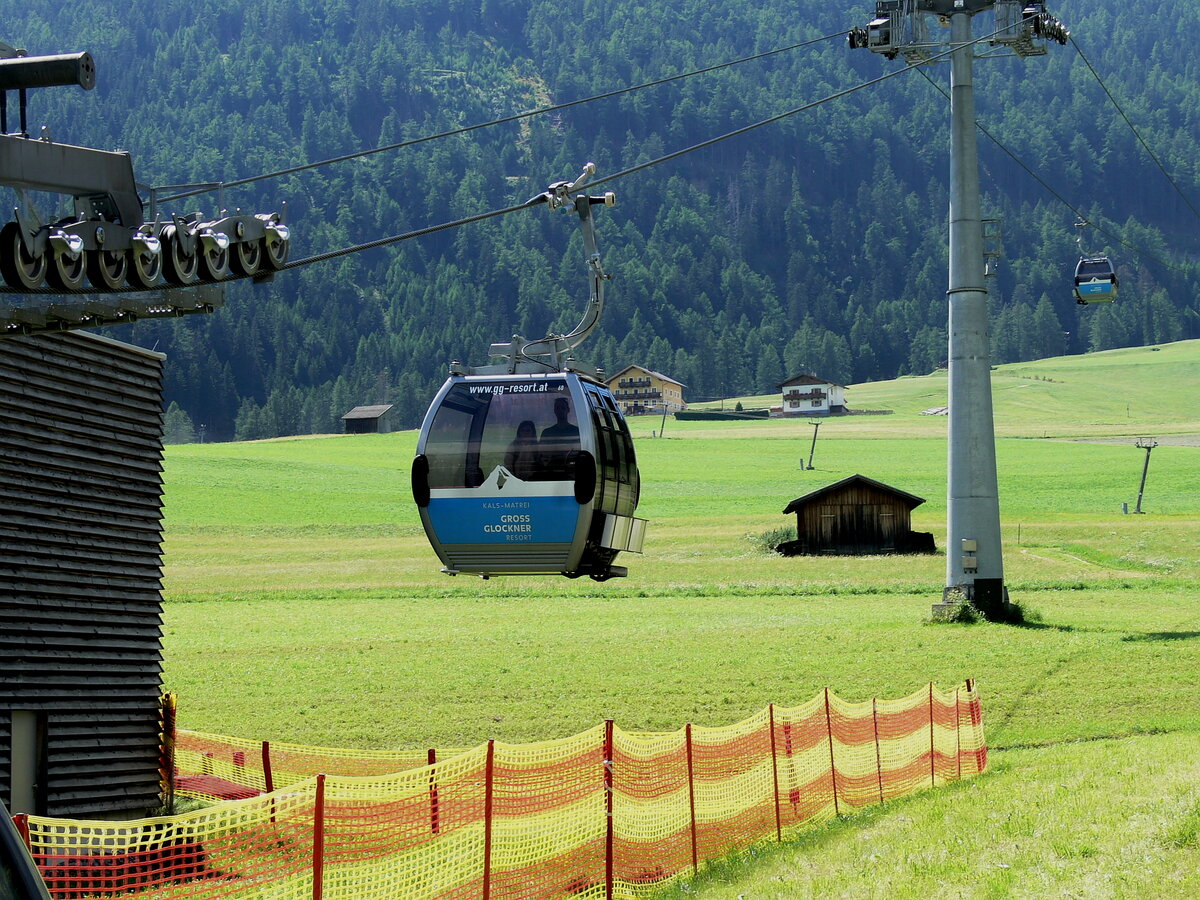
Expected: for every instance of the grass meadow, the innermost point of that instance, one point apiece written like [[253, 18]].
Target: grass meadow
[[303, 604]]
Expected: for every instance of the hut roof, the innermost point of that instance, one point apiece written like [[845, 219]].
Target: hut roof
[[368, 412], [911, 499], [659, 375], [807, 378]]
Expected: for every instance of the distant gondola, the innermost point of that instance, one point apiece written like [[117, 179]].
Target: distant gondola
[[1095, 280], [527, 467]]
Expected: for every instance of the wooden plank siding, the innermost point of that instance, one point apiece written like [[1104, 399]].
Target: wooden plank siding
[[856, 516], [853, 528], [81, 568]]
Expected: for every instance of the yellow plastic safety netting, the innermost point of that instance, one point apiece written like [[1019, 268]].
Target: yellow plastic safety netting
[[603, 814]]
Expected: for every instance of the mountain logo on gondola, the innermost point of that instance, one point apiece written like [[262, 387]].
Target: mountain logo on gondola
[[501, 482]]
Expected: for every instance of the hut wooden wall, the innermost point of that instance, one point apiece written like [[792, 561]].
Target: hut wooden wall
[[855, 519], [80, 567]]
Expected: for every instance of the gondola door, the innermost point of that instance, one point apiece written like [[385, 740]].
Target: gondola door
[[495, 476]]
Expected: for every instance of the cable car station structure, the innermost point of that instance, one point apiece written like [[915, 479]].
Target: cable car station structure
[[108, 250], [81, 449], [974, 556]]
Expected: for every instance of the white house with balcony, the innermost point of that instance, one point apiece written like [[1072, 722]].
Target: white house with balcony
[[810, 395]]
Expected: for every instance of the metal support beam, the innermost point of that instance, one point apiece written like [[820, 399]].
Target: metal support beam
[[80, 171], [974, 561]]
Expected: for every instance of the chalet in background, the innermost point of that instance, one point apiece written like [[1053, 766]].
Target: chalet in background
[[640, 391], [809, 395]]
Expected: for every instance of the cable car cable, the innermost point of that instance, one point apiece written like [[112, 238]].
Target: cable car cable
[[408, 235], [1059, 197], [421, 232], [479, 217], [729, 135], [381, 242], [835, 96], [747, 128], [1136, 133], [506, 119]]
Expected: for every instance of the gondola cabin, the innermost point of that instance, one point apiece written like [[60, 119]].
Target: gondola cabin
[[527, 474], [1095, 280]]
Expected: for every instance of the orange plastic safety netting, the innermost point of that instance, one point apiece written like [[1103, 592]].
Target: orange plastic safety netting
[[217, 767], [604, 814]]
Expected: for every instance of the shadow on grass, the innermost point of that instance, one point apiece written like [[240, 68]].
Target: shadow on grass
[[1022, 698], [739, 864], [1162, 636], [1050, 626], [1126, 636]]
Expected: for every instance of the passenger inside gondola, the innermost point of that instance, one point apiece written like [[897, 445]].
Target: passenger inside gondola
[[523, 457], [559, 441]]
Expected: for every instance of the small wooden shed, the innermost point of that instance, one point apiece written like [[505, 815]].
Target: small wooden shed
[[367, 419], [857, 516]]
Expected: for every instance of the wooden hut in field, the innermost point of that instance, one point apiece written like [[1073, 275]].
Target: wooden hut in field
[[857, 516], [368, 419], [80, 575]]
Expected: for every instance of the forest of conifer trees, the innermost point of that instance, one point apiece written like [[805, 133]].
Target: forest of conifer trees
[[817, 243]]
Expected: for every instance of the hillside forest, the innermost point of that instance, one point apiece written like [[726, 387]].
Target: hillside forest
[[814, 243]]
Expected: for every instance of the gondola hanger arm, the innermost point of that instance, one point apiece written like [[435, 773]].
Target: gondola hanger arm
[[561, 195]]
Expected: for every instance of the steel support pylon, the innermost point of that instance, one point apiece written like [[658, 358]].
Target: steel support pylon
[[974, 560]]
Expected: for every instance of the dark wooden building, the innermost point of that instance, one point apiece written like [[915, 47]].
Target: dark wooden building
[[367, 419], [856, 516], [80, 575]]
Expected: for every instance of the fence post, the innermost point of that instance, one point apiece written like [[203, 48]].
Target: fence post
[[268, 778], [166, 749], [957, 734], [793, 793], [319, 840], [608, 808], [932, 782], [832, 765], [878, 757], [434, 815], [976, 713], [775, 773], [21, 821], [488, 776], [692, 796]]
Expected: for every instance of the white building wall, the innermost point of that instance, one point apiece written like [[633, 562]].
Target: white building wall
[[832, 396]]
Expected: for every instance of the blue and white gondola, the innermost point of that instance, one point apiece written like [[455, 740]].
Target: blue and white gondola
[[527, 467], [494, 504], [1095, 280]]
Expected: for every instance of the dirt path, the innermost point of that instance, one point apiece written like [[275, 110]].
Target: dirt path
[[1166, 440]]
